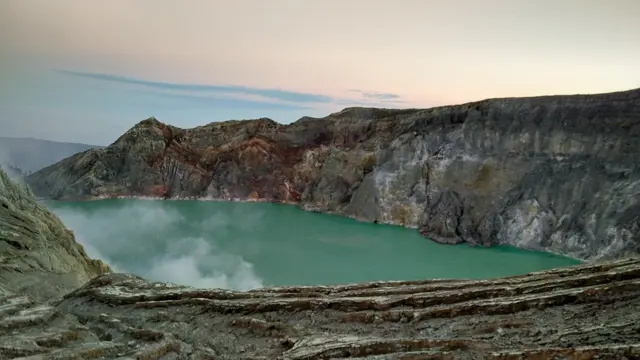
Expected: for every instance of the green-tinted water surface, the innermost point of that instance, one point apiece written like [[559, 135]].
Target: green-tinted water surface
[[246, 245]]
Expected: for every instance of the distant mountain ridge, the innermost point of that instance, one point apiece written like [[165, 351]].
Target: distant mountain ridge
[[30, 155]]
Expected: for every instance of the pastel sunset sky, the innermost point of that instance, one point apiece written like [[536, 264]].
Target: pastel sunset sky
[[86, 71]]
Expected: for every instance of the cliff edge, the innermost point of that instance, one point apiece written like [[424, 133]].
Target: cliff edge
[[39, 257], [553, 173], [582, 312]]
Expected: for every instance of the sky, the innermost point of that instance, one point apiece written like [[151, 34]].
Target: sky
[[86, 71]]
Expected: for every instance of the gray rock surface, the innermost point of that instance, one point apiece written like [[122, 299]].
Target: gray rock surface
[[556, 173], [38, 255], [584, 312]]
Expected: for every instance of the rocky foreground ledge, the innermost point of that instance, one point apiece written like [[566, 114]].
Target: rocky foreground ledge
[[583, 312]]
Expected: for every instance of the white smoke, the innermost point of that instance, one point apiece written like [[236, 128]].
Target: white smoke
[[142, 230], [8, 167], [13, 173], [184, 262]]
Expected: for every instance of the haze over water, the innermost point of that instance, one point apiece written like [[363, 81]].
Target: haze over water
[[249, 245]]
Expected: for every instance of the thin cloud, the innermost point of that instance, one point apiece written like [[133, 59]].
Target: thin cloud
[[372, 99], [276, 94], [238, 97], [220, 100], [379, 96], [370, 104]]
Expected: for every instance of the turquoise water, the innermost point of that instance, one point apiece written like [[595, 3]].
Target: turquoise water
[[248, 245]]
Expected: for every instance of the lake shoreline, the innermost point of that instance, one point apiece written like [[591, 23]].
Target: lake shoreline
[[300, 207], [224, 243]]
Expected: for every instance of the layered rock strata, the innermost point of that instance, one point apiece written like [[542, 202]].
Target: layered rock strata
[[584, 312], [555, 173], [38, 255]]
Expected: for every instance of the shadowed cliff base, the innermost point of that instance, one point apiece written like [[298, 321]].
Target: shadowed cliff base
[[586, 312], [554, 173]]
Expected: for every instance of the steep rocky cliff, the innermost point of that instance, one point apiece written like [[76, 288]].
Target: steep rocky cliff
[[584, 312], [555, 173], [38, 255]]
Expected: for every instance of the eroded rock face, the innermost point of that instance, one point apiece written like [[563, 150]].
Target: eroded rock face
[[38, 255], [557, 173], [584, 312]]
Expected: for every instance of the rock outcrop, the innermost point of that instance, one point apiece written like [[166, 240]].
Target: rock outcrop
[[555, 173], [583, 312], [38, 255]]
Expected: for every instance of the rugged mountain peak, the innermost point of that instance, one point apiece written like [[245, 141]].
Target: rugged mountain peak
[[149, 121], [38, 254], [146, 127]]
